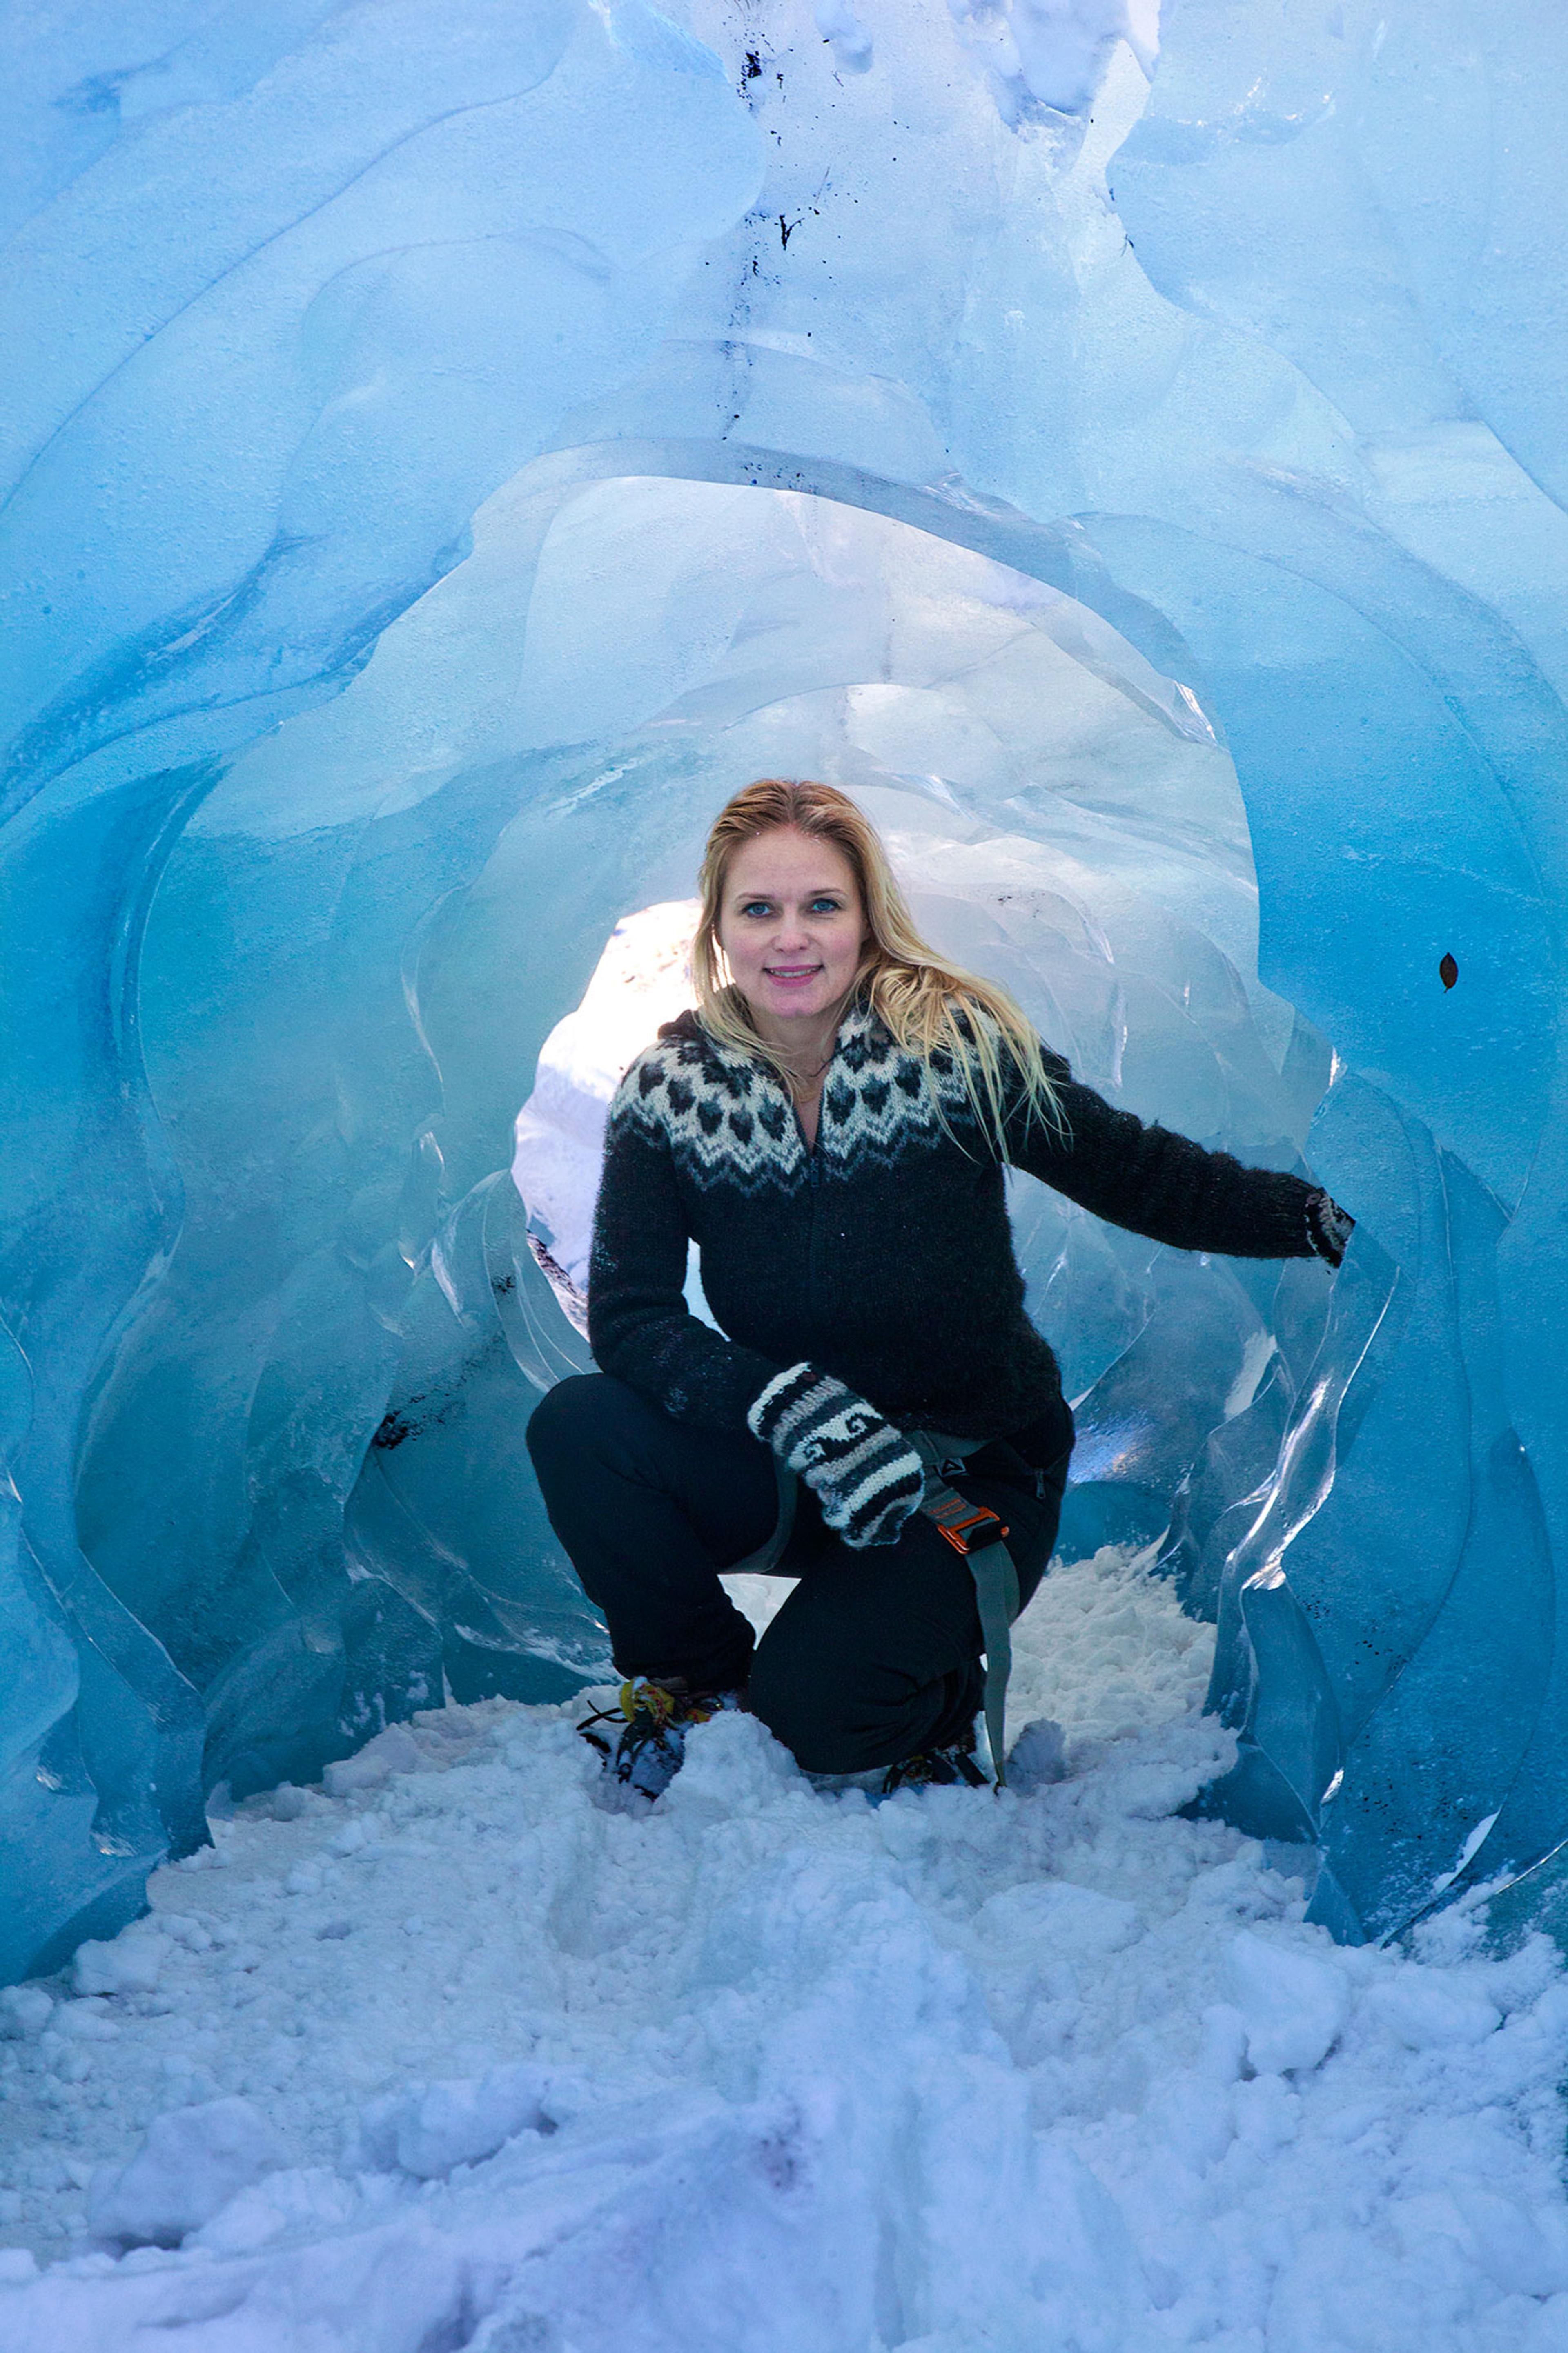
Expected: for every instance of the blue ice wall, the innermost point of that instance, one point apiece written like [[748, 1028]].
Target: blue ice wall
[[1260, 366]]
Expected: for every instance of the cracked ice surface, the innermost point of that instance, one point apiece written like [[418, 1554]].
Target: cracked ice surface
[[452, 2055]]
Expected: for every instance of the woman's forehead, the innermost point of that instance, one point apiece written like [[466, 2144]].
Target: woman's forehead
[[785, 858]]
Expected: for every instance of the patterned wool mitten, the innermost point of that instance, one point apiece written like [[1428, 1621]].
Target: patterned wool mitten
[[867, 1475], [1329, 1227]]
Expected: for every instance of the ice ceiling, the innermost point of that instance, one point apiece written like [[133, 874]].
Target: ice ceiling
[[448, 448]]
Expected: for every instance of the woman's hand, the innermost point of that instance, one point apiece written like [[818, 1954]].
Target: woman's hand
[[864, 1472], [1329, 1227]]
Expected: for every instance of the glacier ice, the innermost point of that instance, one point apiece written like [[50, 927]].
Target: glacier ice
[[458, 444]]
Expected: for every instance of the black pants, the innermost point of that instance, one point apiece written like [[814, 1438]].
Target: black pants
[[876, 1654]]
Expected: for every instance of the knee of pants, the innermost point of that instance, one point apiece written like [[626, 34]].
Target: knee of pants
[[563, 1421], [850, 1725], [824, 1711]]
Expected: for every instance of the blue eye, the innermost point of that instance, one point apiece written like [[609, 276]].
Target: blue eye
[[822, 905]]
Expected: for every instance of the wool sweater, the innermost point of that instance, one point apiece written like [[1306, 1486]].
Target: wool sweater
[[883, 1254]]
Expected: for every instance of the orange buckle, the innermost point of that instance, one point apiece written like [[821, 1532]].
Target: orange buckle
[[979, 1518]]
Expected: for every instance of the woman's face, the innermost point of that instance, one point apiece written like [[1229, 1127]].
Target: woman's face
[[791, 922]]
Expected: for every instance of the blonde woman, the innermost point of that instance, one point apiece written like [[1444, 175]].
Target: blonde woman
[[831, 1126]]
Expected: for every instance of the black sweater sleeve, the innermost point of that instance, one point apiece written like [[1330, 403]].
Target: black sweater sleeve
[[639, 1326], [1157, 1183]]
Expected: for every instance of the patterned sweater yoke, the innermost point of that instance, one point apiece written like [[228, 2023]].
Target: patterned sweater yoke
[[728, 1120]]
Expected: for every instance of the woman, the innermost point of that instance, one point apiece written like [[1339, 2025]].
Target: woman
[[831, 1126]]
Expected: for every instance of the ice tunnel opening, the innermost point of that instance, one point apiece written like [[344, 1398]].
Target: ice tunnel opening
[[1061, 815], [309, 1436]]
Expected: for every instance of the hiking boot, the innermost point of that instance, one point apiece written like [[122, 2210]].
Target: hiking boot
[[643, 1743], [936, 1768]]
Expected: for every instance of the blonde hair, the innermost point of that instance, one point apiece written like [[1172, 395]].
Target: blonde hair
[[930, 1006]]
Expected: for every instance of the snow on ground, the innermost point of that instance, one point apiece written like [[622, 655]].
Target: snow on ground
[[447, 2056]]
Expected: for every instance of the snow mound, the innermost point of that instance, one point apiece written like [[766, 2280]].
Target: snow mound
[[459, 2057]]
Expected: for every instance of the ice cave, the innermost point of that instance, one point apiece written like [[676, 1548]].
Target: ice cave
[[448, 448]]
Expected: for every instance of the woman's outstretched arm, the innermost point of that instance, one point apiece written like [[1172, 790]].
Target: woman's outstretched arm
[[1155, 1182]]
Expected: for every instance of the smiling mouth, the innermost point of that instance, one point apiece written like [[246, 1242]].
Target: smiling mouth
[[792, 971]]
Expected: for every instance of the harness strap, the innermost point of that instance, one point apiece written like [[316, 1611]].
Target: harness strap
[[980, 1537]]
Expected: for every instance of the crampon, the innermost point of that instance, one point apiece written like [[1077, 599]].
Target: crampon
[[642, 1738]]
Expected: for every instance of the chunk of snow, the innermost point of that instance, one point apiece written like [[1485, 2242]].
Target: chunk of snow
[[312, 2197], [1038, 1756], [1293, 2005], [430, 2129], [131, 1963], [193, 2161], [186, 1931], [1428, 2012], [731, 1762], [25, 2012], [85, 2021], [395, 1750]]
